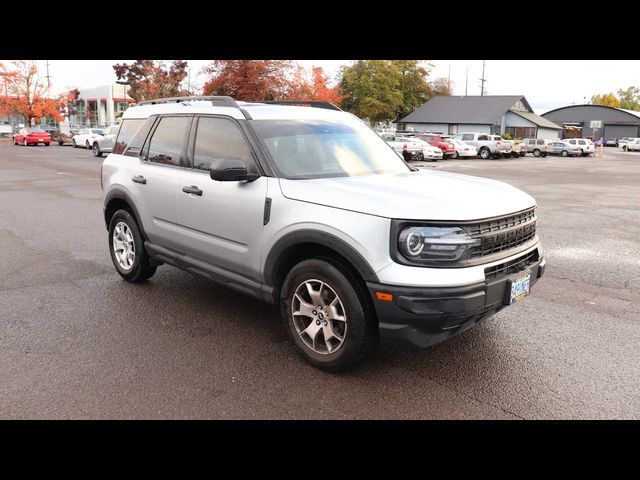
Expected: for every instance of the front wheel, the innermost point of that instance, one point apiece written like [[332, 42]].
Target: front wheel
[[536, 153], [564, 153], [126, 247], [326, 314], [456, 155]]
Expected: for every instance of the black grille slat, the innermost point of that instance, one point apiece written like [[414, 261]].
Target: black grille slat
[[511, 267], [502, 234]]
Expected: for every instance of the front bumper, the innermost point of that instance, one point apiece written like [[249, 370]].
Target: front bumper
[[424, 316]]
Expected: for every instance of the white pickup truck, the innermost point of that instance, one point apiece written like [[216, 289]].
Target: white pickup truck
[[487, 145], [406, 148]]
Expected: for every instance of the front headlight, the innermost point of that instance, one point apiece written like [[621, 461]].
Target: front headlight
[[434, 245]]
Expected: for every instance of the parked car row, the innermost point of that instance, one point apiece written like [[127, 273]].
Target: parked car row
[[99, 140]]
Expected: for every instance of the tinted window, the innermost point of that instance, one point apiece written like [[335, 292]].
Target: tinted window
[[128, 128], [540, 142], [467, 136], [167, 141], [220, 138], [482, 137], [581, 142]]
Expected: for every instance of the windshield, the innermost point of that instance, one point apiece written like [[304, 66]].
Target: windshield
[[324, 148], [36, 130], [97, 131]]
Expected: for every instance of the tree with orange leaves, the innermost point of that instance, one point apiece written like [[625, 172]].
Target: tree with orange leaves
[[26, 92]]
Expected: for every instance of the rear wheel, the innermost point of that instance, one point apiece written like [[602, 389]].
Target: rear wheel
[[126, 246], [327, 316], [96, 150], [564, 153]]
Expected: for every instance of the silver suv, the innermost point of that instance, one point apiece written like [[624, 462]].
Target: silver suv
[[309, 209]]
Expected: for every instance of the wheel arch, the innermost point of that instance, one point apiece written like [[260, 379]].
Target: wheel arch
[[301, 245], [118, 199]]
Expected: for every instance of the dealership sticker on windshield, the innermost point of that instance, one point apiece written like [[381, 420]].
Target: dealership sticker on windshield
[[520, 288]]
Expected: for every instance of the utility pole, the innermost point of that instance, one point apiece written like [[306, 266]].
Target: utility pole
[[48, 78], [482, 80], [466, 81]]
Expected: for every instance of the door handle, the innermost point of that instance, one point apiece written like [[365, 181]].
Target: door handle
[[192, 190], [139, 179]]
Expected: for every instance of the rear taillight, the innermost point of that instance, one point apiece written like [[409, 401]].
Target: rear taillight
[[404, 147], [497, 143]]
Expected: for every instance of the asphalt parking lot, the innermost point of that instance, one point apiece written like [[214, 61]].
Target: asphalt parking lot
[[76, 341]]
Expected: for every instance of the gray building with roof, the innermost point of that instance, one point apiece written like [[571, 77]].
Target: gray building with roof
[[576, 121], [496, 114]]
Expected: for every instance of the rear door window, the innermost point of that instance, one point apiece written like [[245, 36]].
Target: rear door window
[[167, 143]]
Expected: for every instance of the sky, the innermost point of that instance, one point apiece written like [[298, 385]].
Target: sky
[[547, 84]]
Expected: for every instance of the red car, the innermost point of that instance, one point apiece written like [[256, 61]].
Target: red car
[[26, 136], [435, 139]]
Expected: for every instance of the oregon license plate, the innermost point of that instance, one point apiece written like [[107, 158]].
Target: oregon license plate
[[520, 287]]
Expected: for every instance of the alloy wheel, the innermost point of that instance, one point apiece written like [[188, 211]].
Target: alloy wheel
[[319, 316], [124, 247]]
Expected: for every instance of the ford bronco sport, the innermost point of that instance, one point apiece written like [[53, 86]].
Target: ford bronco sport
[[309, 209]]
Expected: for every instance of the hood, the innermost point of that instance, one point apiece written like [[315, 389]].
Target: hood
[[413, 195]]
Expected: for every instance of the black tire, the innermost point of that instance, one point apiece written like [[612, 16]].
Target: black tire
[[73, 143], [96, 150], [361, 335], [537, 153], [87, 145], [141, 268], [485, 153], [564, 153], [456, 155], [47, 144], [522, 154]]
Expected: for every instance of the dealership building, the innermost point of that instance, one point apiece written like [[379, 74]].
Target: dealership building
[[101, 106], [608, 122]]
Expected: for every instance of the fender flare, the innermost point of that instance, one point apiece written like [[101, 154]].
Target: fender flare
[[320, 238], [121, 194]]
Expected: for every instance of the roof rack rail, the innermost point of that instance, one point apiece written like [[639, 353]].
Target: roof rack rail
[[309, 103], [218, 101]]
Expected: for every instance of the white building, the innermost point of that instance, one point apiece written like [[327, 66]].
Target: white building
[[102, 106]]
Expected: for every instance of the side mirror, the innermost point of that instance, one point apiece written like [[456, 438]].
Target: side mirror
[[230, 170]]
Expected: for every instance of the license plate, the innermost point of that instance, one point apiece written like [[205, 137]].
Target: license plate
[[520, 288]]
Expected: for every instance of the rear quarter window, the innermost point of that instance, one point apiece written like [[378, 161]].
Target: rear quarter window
[[128, 129]]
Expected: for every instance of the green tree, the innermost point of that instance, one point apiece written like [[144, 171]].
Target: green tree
[[372, 90], [414, 85], [606, 99], [629, 98]]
